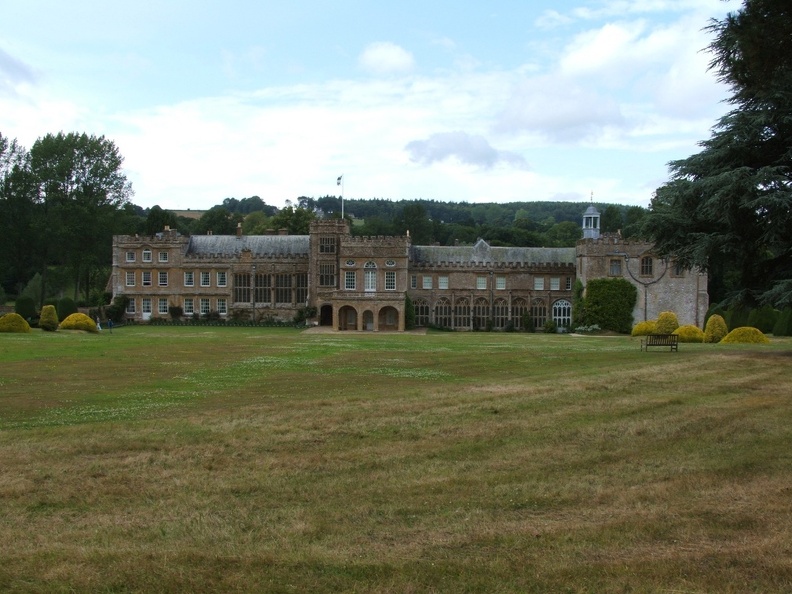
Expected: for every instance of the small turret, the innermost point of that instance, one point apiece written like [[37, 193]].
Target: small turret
[[591, 223]]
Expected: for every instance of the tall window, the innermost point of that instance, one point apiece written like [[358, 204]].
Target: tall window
[[130, 308], [390, 280], [421, 312], [500, 312], [221, 278], [370, 276], [569, 283], [462, 313], [146, 278], [426, 282], [283, 286], [500, 283], [519, 307], [555, 283], [562, 312], [130, 279], [189, 279], [301, 294], [263, 288], [413, 281], [350, 280], [222, 306], [189, 306], [163, 279], [205, 280], [443, 313], [242, 288], [327, 245], [480, 313], [646, 266], [538, 312], [327, 275], [146, 308], [162, 306], [205, 306]]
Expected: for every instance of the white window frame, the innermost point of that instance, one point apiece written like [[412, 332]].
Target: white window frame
[[442, 282], [189, 278], [162, 278], [163, 256], [390, 280], [555, 283], [538, 283], [130, 278], [130, 256], [206, 306], [146, 281], [350, 280], [426, 282], [414, 281], [369, 280], [146, 255], [481, 282], [222, 278], [500, 283], [222, 306], [162, 306], [146, 306], [206, 278], [189, 306], [131, 307]]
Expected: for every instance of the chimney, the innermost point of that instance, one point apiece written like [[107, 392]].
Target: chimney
[[167, 228], [239, 229], [283, 231]]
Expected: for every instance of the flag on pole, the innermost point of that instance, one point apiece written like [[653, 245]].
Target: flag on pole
[[338, 181]]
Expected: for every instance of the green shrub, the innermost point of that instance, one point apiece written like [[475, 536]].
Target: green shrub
[[13, 322], [175, 311], [409, 313], [689, 333], [736, 317], [716, 329], [79, 321], [609, 303], [745, 335], [667, 322], [26, 307], [644, 328], [117, 310], [66, 307], [528, 323], [49, 318], [578, 304], [783, 325], [712, 311], [763, 318]]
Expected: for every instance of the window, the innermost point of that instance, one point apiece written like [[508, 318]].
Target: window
[[562, 312], [189, 279], [327, 275], [222, 306], [130, 279], [283, 292], [130, 256], [615, 268], [442, 282], [443, 313], [130, 308], [162, 306], [500, 313], [677, 269], [538, 313], [146, 278], [538, 283], [163, 256], [500, 283], [426, 282], [350, 280], [390, 280], [205, 280], [350, 262], [301, 295], [263, 288], [163, 279], [242, 288], [555, 284], [189, 306], [481, 282], [146, 305], [222, 279], [569, 283], [421, 312], [646, 266], [462, 313], [414, 281], [481, 313], [519, 307], [205, 307], [390, 263], [327, 245], [370, 276], [147, 255]]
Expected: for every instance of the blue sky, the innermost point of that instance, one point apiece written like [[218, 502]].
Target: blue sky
[[487, 102]]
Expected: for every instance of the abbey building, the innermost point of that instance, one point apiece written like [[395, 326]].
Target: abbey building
[[361, 283]]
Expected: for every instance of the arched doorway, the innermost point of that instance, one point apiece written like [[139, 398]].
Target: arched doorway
[[326, 315], [388, 318], [347, 318], [368, 320]]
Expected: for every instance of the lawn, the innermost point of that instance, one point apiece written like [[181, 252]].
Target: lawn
[[210, 459]]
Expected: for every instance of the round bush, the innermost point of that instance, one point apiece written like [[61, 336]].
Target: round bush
[[716, 329], [745, 335], [644, 328], [66, 307], [689, 333], [666, 322], [49, 318], [26, 307], [79, 321], [13, 322]]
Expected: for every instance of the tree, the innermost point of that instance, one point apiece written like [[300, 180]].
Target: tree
[[218, 220], [728, 209], [612, 219], [157, 219]]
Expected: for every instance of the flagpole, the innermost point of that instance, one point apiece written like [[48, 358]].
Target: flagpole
[[340, 182]]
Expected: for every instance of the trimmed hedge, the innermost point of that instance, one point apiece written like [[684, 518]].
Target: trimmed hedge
[[49, 318], [745, 335], [689, 333], [645, 328], [763, 319], [716, 329], [26, 307], [66, 307], [79, 321], [609, 304], [13, 322], [667, 322]]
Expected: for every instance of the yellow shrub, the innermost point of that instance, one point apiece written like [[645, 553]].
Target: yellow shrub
[[49, 318], [715, 329], [745, 334], [79, 321], [644, 328], [689, 333], [13, 322], [666, 322]]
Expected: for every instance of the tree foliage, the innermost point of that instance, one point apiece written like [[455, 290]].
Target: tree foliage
[[728, 209], [609, 303]]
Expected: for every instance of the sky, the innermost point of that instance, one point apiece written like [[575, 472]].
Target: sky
[[498, 101]]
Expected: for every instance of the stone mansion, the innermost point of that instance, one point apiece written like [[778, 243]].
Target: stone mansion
[[360, 283]]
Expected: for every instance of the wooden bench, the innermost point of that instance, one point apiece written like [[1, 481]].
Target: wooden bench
[[669, 341]]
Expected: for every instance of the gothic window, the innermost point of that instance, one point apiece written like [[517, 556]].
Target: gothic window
[[327, 245], [501, 313], [519, 307], [242, 288], [562, 312], [539, 312], [462, 313], [327, 275], [421, 307], [480, 313], [443, 313]]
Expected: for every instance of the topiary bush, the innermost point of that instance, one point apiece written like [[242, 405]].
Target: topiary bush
[[716, 329], [644, 328], [26, 307], [667, 322], [66, 307], [609, 303], [79, 321], [13, 322], [745, 335], [49, 318], [689, 333]]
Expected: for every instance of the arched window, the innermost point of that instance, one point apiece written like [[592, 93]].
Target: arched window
[[480, 313], [519, 307], [462, 313], [370, 276], [442, 315], [501, 313], [421, 307], [538, 313], [562, 312]]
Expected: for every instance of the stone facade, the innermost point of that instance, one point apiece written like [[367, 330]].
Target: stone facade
[[361, 283]]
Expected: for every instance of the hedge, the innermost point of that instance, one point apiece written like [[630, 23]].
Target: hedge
[[13, 322], [645, 328], [689, 333], [79, 321], [49, 318], [609, 303], [716, 329], [667, 322], [745, 334]]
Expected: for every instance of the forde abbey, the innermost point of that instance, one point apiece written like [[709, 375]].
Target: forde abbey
[[360, 283]]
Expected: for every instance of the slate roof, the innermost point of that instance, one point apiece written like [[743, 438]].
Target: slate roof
[[483, 253], [231, 245]]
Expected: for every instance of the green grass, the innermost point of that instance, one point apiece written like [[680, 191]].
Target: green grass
[[270, 460]]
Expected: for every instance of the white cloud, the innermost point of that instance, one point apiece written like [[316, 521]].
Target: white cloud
[[385, 57], [468, 149]]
